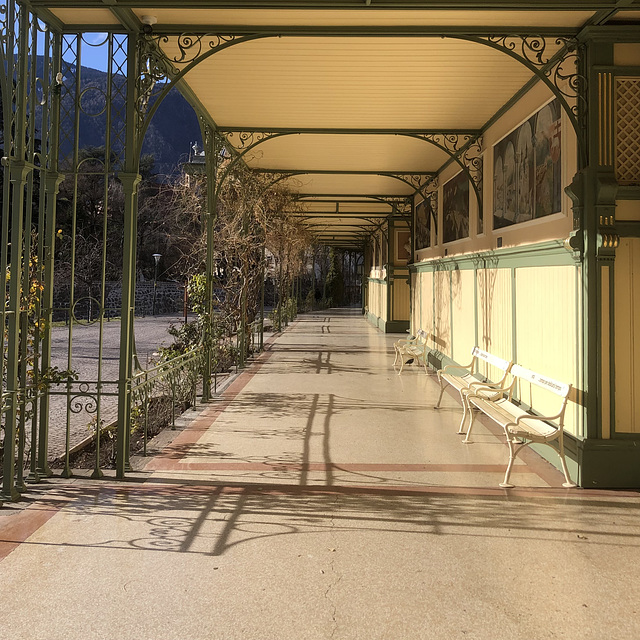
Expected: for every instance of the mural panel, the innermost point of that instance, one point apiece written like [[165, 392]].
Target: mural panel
[[423, 226], [527, 172], [455, 207]]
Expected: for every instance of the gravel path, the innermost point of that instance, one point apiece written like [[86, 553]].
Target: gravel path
[[150, 333]]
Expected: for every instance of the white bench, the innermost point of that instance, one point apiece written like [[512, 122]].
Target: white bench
[[522, 427], [402, 342], [463, 382], [412, 348]]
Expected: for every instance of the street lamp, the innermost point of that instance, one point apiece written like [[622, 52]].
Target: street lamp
[[156, 257]]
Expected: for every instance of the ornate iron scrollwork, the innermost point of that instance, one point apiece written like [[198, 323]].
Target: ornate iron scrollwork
[[153, 67], [415, 180], [430, 192], [194, 46], [465, 149], [245, 140], [556, 60]]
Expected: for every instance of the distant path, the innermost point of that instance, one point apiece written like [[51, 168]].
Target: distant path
[[150, 333]]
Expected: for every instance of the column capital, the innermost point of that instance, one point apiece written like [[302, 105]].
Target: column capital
[[130, 180]]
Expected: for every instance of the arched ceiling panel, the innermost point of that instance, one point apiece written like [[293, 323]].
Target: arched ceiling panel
[[348, 184], [347, 153], [379, 83]]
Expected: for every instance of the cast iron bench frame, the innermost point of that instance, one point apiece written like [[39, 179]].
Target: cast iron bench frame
[[521, 426]]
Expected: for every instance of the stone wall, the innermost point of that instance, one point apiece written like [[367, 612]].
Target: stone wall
[[169, 298]]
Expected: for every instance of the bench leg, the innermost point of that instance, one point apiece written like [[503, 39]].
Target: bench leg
[[472, 417], [424, 364], [402, 361], [465, 413], [513, 452], [441, 391], [397, 354], [568, 482]]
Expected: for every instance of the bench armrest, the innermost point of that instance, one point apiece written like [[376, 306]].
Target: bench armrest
[[458, 366], [529, 416], [493, 385], [498, 392]]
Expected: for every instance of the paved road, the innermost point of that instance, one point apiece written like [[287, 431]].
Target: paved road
[[150, 333]]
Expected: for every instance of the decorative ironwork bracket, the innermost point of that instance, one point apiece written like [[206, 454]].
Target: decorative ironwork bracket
[[466, 150], [558, 62]]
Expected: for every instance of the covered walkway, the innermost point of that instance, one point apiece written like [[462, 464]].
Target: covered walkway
[[322, 496]]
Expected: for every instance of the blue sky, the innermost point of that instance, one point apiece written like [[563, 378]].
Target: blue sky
[[95, 51]]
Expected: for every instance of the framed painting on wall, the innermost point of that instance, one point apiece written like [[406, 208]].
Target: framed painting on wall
[[527, 176], [455, 208], [403, 247], [423, 226]]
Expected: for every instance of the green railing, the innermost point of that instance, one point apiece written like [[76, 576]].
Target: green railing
[[176, 379]]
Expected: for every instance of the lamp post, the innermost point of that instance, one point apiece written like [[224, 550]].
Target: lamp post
[[156, 257]]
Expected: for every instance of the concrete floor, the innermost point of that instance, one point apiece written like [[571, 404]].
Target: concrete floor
[[322, 496]]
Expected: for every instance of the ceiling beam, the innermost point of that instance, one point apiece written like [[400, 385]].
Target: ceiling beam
[[361, 197], [331, 172], [127, 18], [351, 132], [374, 6]]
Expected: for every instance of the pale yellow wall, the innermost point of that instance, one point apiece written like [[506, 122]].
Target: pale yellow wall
[[495, 315], [442, 315], [628, 210], [627, 336], [626, 54], [378, 299], [529, 314], [425, 313], [548, 332], [415, 302], [400, 294], [464, 315]]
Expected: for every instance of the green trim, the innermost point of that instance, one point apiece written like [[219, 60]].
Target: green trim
[[552, 253], [387, 326], [628, 228], [608, 34], [628, 192], [394, 326], [127, 18], [609, 464], [571, 456]]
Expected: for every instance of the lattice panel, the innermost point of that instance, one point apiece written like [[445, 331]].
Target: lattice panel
[[628, 130]]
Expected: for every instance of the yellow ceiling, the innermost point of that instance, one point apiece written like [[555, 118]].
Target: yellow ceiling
[[376, 85]]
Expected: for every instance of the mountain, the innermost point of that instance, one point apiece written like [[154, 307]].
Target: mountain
[[168, 139]]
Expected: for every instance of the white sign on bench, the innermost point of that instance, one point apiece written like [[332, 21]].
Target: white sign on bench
[[466, 378], [522, 427]]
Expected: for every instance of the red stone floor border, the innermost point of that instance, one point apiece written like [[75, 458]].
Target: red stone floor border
[[17, 527], [175, 465], [170, 456]]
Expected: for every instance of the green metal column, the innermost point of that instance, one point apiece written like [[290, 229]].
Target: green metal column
[[19, 171], [264, 275], [52, 186], [130, 183], [211, 163]]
